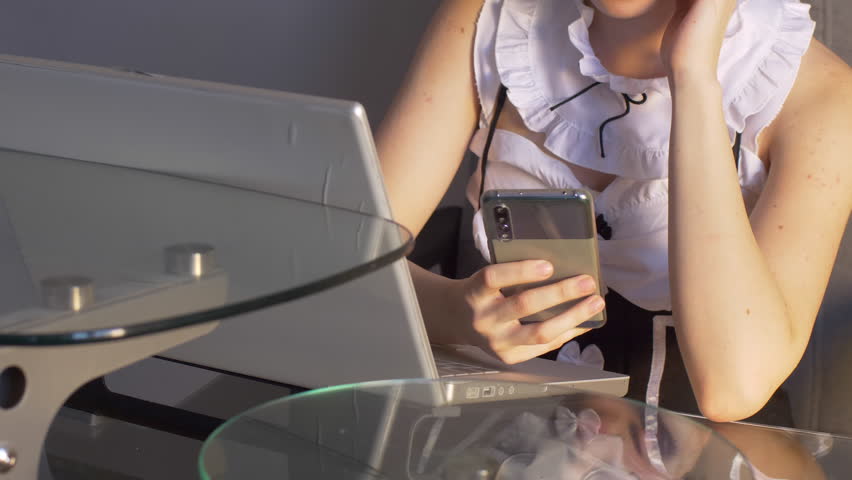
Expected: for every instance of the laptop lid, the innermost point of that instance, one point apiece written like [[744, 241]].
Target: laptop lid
[[17, 290], [300, 146]]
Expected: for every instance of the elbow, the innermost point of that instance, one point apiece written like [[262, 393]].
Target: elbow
[[729, 404], [726, 409], [730, 395]]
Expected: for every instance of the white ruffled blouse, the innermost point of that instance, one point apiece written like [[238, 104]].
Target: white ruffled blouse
[[540, 50]]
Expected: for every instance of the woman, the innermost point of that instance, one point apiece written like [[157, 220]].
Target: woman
[[641, 101]]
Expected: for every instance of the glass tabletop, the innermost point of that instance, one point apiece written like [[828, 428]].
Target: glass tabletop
[[92, 252], [789, 453], [465, 430]]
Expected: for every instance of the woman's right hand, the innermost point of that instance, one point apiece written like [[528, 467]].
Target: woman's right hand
[[494, 319]]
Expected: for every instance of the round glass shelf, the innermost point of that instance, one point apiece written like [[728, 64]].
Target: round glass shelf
[[464, 430], [92, 252]]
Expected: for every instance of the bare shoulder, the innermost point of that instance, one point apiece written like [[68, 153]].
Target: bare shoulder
[[822, 94], [810, 141]]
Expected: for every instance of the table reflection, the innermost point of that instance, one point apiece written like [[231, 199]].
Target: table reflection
[[416, 430], [781, 453]]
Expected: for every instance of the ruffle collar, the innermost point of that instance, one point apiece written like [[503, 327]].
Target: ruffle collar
[[760, 56]]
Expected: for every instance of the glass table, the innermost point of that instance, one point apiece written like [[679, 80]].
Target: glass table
[[428, 430], [789, 453], [104, 266]]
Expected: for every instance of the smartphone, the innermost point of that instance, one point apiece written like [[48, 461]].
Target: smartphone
[[553, 225]]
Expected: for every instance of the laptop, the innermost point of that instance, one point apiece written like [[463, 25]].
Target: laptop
[[317, 149]]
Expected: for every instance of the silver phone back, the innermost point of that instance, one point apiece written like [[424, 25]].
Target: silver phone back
[[553, 225]]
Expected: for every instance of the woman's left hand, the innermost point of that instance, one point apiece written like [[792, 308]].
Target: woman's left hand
[[693, 39]]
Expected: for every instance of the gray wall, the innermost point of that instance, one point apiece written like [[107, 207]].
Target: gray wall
[[833, 18], [354, 49]]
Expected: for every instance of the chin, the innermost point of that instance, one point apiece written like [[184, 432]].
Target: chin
[[625, 9]]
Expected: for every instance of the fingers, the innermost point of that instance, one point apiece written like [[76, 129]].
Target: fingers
[[559, 329], [513, 342], [538, 299], [492, 278], [516, 353], [495, 319]]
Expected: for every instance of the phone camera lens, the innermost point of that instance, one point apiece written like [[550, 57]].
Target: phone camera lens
[[504, 227], [501, 211]]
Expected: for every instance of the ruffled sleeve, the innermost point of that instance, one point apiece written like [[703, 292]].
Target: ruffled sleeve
[[515, 64], [760, 60], [484, 60]]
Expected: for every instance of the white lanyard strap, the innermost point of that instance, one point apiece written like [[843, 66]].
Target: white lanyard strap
[[652, 394]]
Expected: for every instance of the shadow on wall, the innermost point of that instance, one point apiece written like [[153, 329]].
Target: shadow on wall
[[356, 49]]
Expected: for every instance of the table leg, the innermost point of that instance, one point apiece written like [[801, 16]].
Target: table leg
[[36, 381], [96, 399]]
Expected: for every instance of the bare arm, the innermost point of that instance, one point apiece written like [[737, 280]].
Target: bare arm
[[421, 143], [746, 291], [423, 138]]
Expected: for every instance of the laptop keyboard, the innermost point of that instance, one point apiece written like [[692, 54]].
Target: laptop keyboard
[[449, 368]]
